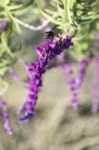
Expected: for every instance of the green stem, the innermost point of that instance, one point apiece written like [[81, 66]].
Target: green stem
[[65, 10], [69, 2]]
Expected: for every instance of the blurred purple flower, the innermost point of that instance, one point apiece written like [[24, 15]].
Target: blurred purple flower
[[95, 90], [73, 86], [46, 52], [97, 36], [14, 74], [3, 24], [82, 71], [5, 116], [76, 83]]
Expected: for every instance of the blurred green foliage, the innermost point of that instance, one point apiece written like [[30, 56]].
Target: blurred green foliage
[[78, 18], [10, 36]]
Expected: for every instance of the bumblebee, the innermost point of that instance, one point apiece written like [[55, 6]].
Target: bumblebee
[[49, 35]]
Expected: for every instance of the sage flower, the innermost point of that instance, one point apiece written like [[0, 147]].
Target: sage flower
[[46, 52], [72, 84], [5, 117], [76, 83], [95, 89], [83, 66]]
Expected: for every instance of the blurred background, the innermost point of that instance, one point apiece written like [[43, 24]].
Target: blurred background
[[56, 125]]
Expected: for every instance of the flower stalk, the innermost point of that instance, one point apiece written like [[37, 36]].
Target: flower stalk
[[46, 52]]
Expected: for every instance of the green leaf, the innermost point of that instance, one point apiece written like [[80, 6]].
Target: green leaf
[[60, 11], [50, 12], [4, 63], [22, 8], [14, 7], [4, 41], [4, 2], [14, 24], [3, 85], [58, 2], [51, 18]]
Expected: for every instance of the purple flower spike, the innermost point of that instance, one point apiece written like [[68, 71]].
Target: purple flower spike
[[76, 83], [3, 24], [82, 71], [5, 116], [46, 52], [26, 117], [73, 86], [95, 90], [75, 102]]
